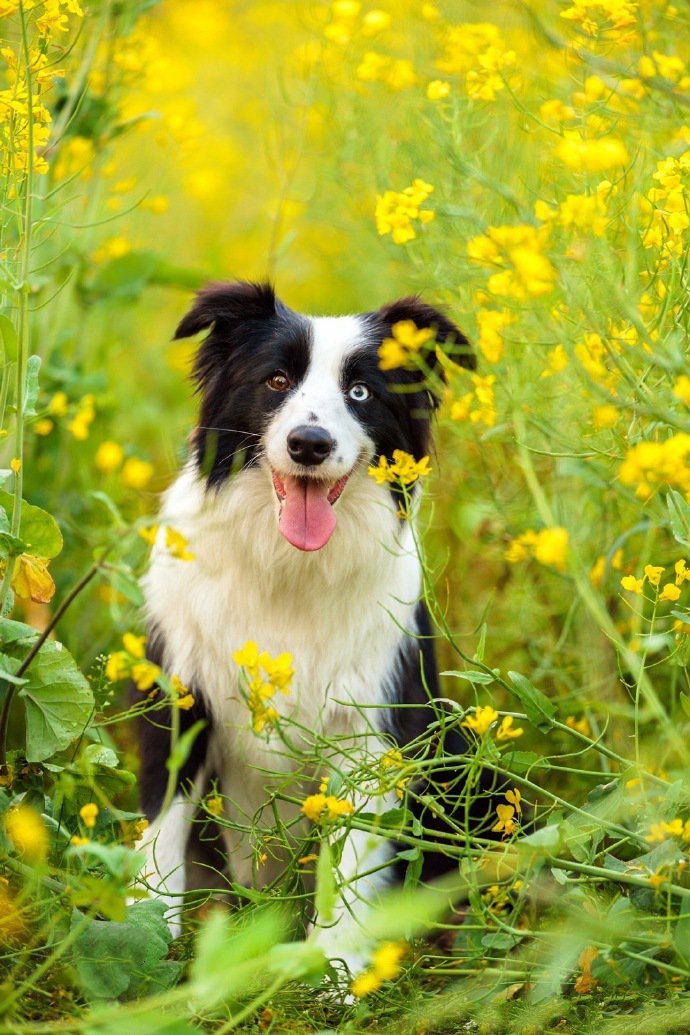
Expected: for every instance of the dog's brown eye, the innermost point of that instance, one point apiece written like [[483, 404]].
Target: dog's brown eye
[[279, 382]]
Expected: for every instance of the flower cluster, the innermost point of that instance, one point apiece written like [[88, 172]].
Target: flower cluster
[[322, 807], [131, 663], [578, 212], [659, 832], [548, 546], [477, 51], [649, 465], [395, 211], [385, 965], [603, 20], [403, 349], [653, 572], [478, 405], [391, 762], [265, 677], [484, 718], [591, 154], [396, 73], [507, 822], [491, 324], [404, 470], [523, 271], [666, 207], [345, 22]]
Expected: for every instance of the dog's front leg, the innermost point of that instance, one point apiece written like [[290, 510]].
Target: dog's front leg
[[363, 874]]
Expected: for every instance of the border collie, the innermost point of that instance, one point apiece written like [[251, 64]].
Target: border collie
[[296, 548]]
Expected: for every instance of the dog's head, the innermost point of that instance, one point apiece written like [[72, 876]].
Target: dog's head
[[305, 397]]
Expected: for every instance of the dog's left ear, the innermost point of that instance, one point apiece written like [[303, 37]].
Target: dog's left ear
[[446, 333]]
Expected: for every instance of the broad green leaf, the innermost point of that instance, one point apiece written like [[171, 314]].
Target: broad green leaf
[[8, 334], [58, 702], [12, 632], [125, 960], [38, 529], [538, 708], [545, 841]]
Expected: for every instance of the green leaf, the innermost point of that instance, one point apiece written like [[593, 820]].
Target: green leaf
[[180, 753], [38, 528], [229, 960], [13, 633], [33, 366], [546, 841], [324, 898], [538, 708], [471, 676], [125, 960], [11, 546], [58, 702], [678, 516], [685, 703], [8, 334]]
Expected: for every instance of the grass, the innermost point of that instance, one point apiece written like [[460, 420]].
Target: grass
[[137, 162]]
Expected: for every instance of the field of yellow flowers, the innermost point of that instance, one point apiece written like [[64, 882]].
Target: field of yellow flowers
[[531, 174]]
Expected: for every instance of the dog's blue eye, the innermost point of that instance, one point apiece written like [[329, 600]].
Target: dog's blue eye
[[359, 393]]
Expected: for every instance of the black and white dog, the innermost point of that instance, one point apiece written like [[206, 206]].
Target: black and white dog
[[297, 548]]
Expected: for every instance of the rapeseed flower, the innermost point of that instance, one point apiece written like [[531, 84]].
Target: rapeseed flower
[[320, 807], [265, 676], [396, 210], [89, 814], [405, 346], [27, 832], [404, 470], [385, 965], [483, 719]]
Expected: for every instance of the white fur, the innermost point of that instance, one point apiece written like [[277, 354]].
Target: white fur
[[339, 611]]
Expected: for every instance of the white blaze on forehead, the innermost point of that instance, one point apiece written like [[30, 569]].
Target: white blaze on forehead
[[333, 339]]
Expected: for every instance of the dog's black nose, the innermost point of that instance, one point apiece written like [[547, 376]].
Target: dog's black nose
[[309, 446]]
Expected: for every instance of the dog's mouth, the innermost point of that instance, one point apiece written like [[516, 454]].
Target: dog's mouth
[[307, 519]]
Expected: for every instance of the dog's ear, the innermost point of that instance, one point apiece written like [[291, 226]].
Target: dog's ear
[[446, 333], [225, 304], [233, 311]]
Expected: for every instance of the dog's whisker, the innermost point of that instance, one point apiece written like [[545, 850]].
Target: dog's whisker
[[237, 431]]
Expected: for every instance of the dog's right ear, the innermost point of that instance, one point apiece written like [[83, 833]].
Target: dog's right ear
[[224, 304]]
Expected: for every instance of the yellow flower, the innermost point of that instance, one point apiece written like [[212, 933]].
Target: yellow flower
[[594, 155], [43, 427], [134, 645], [214, 804], [682, 571], [320, 806], [681, 389], [517, 253], [118, 666], [404, 470], [136, 474], [669, 592], [176, 545], [16, 465], [506, 732], [632, 584], [406, 343], [27, 832], [365, 984], [438, 89], [386, 960], [653, 573], [395, 211], [109, 456], [145, 674], [149, 535], [492, 323], [581, 725], [89, 813], [506, 820], [515, 799], [482, 720], [76, 839], [604, 416]]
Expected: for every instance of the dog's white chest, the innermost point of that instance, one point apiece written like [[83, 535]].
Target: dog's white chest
[[340, 614]]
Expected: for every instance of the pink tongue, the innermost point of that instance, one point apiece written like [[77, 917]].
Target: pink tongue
[[306, 519]]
